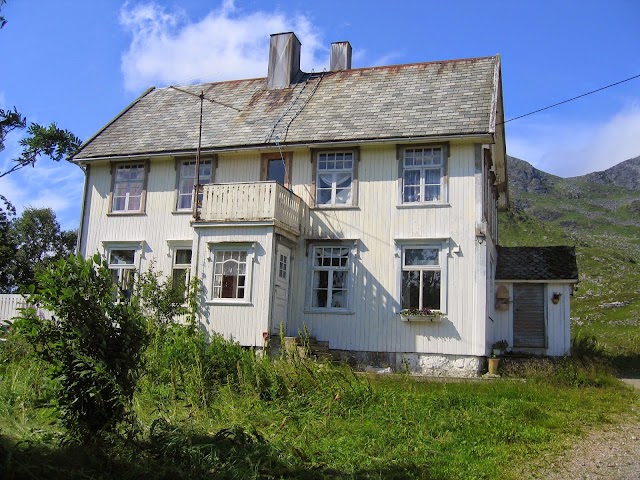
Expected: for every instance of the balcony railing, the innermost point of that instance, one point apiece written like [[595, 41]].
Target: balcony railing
[[254, 201]]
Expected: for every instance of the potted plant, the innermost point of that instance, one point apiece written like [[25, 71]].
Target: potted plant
[[420, 315], [499, 347], [494, 362]]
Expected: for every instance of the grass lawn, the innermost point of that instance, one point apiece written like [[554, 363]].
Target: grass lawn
[[330, 424]]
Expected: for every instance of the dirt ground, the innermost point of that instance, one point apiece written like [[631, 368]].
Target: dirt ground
[[609, 453]]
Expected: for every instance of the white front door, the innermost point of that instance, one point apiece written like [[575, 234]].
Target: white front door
[[281, 295]]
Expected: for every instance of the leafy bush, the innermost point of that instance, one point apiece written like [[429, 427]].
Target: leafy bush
[[93, 344]]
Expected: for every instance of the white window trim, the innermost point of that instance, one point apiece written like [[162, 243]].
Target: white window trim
[[442, 244], [136, 246], [179, 164], [353, 203], [143, 195], [444, 177], [250, 248], [349, 309]]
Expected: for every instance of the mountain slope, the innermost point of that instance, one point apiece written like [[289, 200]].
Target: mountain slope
[[625, 174], [600, 215]]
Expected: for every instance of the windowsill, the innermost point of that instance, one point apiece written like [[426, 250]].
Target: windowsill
[[126, 214], [222, 301], [335, 207], [182, 212], [423, 205], [329, 311]]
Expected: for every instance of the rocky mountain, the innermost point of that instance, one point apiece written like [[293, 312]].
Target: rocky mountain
[[625, 174], [599, 213]]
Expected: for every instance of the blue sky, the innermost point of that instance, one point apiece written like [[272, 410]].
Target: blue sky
[[79, 63]]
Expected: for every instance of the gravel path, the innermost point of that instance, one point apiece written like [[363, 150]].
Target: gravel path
[[612, 453]]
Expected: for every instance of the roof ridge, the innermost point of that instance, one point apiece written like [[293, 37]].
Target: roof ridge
[[377, 67]]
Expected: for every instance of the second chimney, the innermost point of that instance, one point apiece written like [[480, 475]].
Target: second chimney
[[340, 56], [284, 60]]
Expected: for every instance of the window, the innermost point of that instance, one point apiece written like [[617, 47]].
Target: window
[[330, 277], [421, 278], [422, 175], [282, 266], [181, 274], [276, 167], [187, 181], [334, 178], [128, 188], [232, 273], [122, 266]]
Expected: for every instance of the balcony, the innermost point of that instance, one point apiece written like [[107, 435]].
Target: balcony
[[252, 202]]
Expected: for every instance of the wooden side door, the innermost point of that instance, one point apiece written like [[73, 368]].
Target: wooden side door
[[529, 323]]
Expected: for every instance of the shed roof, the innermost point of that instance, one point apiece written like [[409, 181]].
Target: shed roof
[[435, 99], [537, 263]]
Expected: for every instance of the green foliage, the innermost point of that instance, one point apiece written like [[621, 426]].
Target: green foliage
[[50, 141], [93, 345], [160, 299], [39, 241], [8, 247]]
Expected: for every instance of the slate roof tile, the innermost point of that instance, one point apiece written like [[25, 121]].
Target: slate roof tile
[[537, 263], [415, 100]]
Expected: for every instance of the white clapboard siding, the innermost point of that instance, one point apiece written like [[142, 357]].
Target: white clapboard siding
[[557, 320], [377, 223], [244, 323]]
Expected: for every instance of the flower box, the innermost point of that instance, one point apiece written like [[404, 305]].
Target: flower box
[[421, 316]]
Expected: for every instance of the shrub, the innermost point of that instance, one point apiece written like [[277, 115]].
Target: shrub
[[93, 344]]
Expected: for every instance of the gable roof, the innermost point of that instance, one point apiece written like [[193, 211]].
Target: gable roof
[[537, 263], [435, 99]]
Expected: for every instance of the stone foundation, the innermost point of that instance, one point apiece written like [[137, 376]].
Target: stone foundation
[[437, 365]]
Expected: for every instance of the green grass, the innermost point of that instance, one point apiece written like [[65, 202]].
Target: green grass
[[292, 418]]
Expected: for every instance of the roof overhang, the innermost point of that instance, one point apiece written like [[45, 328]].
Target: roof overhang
[[484, 138]]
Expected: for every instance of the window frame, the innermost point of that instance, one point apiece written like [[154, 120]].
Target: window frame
[[181, 266], [264, 166], [143, 194], [442, 245], [349, 283], [315, 154], [249, 249], [178, 167], [136, 247], [444, 175]]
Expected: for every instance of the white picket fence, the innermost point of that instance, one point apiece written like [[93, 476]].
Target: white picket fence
[[9, 305]]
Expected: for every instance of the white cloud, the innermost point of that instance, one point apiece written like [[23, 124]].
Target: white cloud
[[166, 47], [570, 149]]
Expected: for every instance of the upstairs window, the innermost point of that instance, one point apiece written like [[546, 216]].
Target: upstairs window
[[276, 167], [128, 188], [187, 181], [334, 178], [422, 175]]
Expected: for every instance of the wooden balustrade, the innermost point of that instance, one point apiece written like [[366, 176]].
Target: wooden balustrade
[[255, 201]]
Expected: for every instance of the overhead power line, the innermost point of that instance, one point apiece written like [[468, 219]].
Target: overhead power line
[[570, 99]]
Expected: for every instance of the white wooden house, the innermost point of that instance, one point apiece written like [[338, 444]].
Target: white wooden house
[[329, 200]]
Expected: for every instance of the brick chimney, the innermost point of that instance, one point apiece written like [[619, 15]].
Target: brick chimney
[[284, 60], [340, 56]]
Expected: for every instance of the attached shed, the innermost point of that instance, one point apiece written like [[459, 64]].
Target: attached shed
[[532, 298]]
